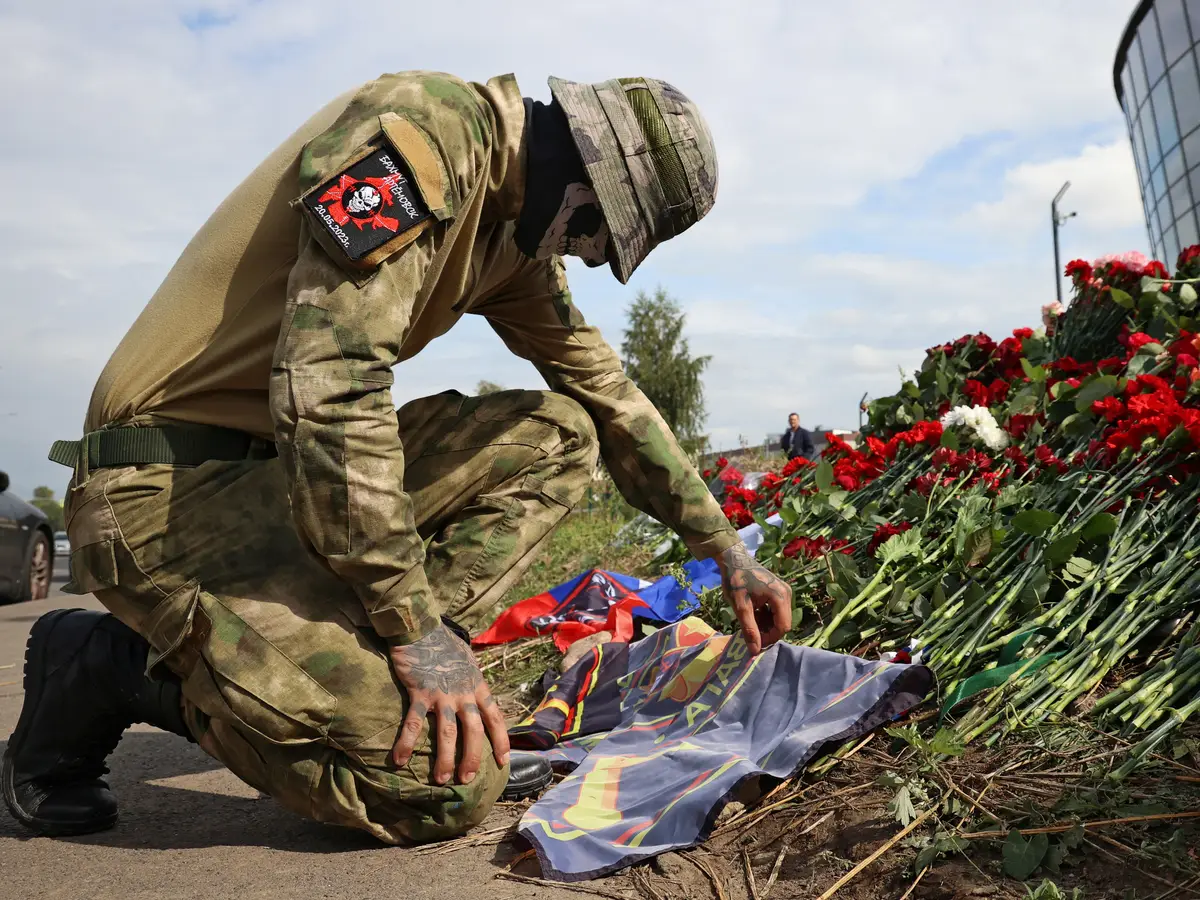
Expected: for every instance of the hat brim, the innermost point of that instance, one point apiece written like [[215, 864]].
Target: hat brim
[[603, 158]]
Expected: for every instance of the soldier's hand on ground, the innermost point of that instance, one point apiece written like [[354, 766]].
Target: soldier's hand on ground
[[762, 602], [443, 681]]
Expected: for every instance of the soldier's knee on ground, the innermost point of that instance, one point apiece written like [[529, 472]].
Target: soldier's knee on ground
[[359, 787], [416, 811]]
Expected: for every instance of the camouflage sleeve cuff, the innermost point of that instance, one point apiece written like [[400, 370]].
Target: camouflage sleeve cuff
[[714, 545], [407, 612], [399, 627]]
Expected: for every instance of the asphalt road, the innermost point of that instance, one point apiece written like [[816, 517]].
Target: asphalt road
[[191, 829]]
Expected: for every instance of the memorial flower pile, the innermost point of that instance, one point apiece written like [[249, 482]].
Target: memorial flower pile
[[1028, 507]]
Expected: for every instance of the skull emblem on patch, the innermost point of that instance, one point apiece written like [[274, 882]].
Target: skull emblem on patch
[[364, 200]]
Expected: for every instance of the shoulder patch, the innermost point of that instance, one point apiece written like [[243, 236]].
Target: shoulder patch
[[370, 209]]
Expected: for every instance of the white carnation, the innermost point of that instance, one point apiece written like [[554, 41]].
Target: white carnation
[[980, 421]]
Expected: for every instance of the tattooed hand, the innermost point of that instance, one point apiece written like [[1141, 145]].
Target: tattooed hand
[[443, 681], [762, 602]]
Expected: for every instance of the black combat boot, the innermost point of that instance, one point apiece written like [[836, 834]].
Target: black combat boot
[[528, 776], [85, 683]]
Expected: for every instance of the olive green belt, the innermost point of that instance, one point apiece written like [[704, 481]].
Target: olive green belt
[[172, 445]]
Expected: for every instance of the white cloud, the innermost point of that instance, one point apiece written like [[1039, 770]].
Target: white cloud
[[1104, 193], [127, 128]]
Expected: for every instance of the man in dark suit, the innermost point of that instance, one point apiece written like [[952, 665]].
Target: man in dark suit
[[796, 441]]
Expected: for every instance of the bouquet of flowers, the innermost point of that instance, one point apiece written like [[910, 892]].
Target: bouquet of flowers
[[1028, 506]]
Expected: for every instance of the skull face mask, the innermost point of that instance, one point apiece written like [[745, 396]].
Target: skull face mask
[[560, 214]]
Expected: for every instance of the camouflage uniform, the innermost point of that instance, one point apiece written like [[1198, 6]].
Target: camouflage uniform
[[270, 586]]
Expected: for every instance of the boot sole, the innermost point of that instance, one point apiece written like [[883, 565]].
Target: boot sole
[[35, 661]]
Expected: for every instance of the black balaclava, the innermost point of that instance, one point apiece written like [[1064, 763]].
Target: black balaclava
[[560, 214]]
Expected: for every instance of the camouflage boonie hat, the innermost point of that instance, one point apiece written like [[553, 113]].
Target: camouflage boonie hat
[[649, 155]]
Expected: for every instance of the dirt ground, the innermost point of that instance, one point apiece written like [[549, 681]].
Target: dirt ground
[[191, 829]]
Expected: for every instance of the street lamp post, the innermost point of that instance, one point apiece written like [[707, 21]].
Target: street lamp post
[[1056, 220]]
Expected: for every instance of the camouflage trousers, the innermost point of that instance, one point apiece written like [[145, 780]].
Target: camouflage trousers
[[284, 680]]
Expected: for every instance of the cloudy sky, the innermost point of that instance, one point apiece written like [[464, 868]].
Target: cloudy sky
[[886, 170]]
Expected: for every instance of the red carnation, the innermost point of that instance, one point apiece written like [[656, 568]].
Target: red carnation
[[1019, 424], [795, 465], [1110, 407], [737, 513], [732, 475], [1137, 340], [1078, 268]]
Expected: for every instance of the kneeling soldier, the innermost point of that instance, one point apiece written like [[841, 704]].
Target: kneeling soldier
[[290, 563]]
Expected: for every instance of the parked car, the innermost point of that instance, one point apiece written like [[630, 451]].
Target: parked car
[[62, 546], [26, 548]]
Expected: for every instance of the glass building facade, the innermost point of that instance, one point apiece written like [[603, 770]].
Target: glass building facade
[[1158, 85]]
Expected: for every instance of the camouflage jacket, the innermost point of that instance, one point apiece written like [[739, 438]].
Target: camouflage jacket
[[345, 323]]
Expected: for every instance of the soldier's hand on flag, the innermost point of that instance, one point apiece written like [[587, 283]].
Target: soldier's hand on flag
[[761, 601], [443, 680]]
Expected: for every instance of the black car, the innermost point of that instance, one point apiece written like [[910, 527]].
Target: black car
[[26, 548]]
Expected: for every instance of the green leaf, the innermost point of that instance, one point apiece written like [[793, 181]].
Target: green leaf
[[947, 743], [943, 381], [1079, 569], [939, 596], [1121, 298], [1034, 373], [913, 506], [824, 476], [1144, 360], [1014, 495], [977, 547], [1101, 525], [839, 596], [1022, 856], [1035, 522], [922, 607], [900, 546], [1034, 591], [1187, 296], [1025, 401], [1074, 837], [1077, 424], [900, 602], [846, 636], [926, 858], [1060, 388], [901, 806], [788, 514], [950, 440], [1060, 550], [891, 780], [1094, 389]]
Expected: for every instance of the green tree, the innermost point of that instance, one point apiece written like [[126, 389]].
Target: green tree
[[659, 361], [43, 499], [487, 387]]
